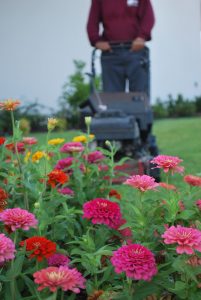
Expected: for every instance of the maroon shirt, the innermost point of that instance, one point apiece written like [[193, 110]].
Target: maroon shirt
[[121, 22]]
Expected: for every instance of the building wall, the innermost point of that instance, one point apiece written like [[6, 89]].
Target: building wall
[[40, 39]]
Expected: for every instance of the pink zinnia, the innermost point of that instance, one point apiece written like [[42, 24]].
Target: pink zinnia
[[142, 182], [59, 277], [188, 239], [192, 180], [136, 261], [29, 140], [16, 218], [94, 157], [66, 191], [198, 203], [64, 163], [103, 211], [58, 260], [168, 163], [7, 248], [71, 147]]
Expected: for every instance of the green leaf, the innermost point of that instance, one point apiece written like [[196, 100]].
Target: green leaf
[[31, 286], [186, 214]]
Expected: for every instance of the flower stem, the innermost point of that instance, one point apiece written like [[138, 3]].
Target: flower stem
[[55, 296]]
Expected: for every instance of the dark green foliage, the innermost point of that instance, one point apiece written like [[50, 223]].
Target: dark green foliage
[[176, 107]]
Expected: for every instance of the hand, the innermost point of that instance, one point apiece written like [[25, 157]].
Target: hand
[[138, 44], [104, 46]]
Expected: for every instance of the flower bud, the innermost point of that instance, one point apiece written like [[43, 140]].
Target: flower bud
[[51, 124], [108, 143], [36, 205], [88, 120]]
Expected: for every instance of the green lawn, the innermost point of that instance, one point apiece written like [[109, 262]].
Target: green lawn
[[177, 137], [181, 137]]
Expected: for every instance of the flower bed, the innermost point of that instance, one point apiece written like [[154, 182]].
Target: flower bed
[[68, 233]]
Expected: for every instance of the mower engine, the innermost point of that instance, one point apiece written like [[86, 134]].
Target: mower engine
[[125, 118]]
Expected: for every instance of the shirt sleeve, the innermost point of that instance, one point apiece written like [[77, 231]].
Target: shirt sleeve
[[94, 20], [146, 19]]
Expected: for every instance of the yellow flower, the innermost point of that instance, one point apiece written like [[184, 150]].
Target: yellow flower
[[26, 158], [38, 155], [83, 138], [91, 136], [55, 142], [9, 104], [52, 123], [80, 138]]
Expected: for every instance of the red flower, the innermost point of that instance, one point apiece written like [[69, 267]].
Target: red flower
[[39, 247], [3, 198], [2, 140], [20, 147], [192, 180], [114, 193], [57, 176]]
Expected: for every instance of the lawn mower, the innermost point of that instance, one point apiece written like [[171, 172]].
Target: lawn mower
[[125, 118]]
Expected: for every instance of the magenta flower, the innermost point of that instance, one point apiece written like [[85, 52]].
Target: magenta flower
[[103, 211], [57, 260], [16, 218], [71, 147], [142, 182], [64, 163], [59, 277], [136, 261], [7, 248], [66, 191], [188, 239], [198, 203], [126, 232], [94, 157], [168, 163]]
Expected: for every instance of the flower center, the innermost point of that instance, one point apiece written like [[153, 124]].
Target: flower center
[[36, 244], [55, 275]]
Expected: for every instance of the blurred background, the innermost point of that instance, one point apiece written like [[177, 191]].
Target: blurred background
[[40, 39]]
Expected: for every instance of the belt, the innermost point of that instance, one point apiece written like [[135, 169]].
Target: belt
[[121, 45]]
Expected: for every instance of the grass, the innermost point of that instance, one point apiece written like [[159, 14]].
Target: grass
[[177, 137], [181, 137]]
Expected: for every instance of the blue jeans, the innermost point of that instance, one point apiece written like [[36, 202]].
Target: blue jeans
[[123, 65]]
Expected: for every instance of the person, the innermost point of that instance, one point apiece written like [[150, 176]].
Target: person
[[126, 27]]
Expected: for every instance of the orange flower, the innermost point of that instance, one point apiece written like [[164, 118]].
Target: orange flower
[[167, 186], [9, 104], [57, 176]]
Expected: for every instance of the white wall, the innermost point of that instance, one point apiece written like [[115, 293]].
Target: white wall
[[40, 38]]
